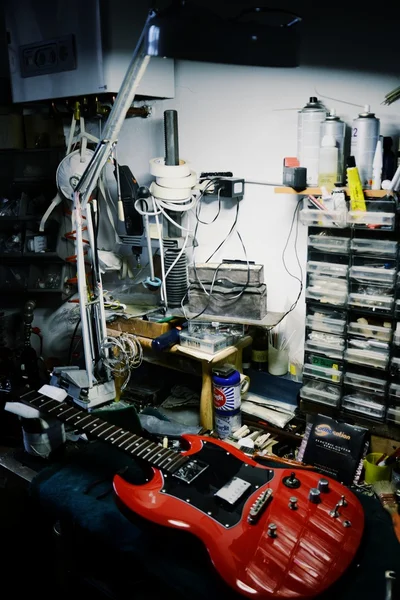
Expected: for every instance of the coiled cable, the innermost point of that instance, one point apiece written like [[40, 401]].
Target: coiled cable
[[121, 354]]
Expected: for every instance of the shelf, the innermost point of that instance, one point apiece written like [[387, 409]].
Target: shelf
[[317, 192], [270, 320]]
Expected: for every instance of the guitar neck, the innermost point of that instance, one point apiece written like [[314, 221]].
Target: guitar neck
[[134, 445]]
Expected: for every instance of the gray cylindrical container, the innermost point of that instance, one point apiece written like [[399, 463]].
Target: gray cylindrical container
[[335, 127], [309, 137], [364, 138]]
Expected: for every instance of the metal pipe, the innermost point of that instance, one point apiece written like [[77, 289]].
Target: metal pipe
[[171, 137]]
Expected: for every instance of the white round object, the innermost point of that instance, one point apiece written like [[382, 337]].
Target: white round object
[[70, 170], [178, 182], [158, 168], [170, 194]]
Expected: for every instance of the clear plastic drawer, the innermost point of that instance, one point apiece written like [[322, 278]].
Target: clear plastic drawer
[[377, 360], [323, 323], [363, 382], [319, 372], [323, 218], [374, 275], [323, 393], [327, 268], [359, 218], [375, 247], [363, 404], [329, 243], [393, 414], [366, 330], [372, 301]]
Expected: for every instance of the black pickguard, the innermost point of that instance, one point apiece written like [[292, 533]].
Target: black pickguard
[[222, 467]]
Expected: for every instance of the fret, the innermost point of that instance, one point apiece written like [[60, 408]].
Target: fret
[[147, 448], [76, 412], [175, 464], [89, 424], [58, 406], [108, 429], [35, 400], [121, 436], [102, 424], [155, 451], [138, 445], [109, 437], [168, 456], [43, 404], [80, 419], [66, 411], [127, 441], [160, 455], [136, 438]]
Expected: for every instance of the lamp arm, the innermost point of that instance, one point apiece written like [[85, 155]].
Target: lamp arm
[[84, 190]]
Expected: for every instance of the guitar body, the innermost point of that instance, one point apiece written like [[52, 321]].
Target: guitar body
[[214, 497]]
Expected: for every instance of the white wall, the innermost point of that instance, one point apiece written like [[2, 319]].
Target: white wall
[[244, 120]]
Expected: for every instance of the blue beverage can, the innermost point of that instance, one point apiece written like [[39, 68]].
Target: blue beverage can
[[226, 389], [227, 421]]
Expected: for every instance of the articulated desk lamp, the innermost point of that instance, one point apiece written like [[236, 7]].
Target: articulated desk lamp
[[179, 32]]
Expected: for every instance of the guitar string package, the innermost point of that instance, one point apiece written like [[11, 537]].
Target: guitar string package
[[336, 448]]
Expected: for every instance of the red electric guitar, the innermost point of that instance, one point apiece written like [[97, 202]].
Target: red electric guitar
[[270, 533]]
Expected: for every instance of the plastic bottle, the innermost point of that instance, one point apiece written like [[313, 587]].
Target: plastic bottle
[[309, 122], [259, 351], [356, 192], [328, 163], [334, 126], [364, 137], [377, 167]]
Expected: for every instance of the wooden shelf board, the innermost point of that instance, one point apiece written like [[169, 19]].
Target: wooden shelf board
[[270, 320], [315, 191]]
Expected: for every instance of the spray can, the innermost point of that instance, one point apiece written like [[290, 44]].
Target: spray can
[[335, 127], [364, 138], [309, 122], [227, 400]]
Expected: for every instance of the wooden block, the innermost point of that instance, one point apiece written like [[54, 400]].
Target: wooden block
[[141, 327]]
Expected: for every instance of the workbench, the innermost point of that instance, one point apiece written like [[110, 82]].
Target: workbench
[[207, 362]]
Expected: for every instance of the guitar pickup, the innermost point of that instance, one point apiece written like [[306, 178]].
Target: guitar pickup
[[259, 506], [233, 490]]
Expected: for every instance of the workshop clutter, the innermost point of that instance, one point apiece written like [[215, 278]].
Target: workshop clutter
[[233, 289]]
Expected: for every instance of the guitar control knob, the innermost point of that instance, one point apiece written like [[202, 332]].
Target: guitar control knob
[[293, 503], [314, 496], [291, 481], [272, 530], [323, 486]]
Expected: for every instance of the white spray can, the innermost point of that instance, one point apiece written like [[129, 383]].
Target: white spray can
[[309, 137], [364, 138], [334, 126]]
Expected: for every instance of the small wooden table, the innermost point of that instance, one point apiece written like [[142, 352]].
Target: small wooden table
[[231, 355]]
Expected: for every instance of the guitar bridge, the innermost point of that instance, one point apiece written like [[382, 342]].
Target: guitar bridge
[[190, 471]]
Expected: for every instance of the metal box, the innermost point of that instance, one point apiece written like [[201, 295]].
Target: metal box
[[61, 49], [252, 304]]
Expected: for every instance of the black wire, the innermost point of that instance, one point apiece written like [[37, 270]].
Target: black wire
[[300, 280], [71, 345], [245, 285]]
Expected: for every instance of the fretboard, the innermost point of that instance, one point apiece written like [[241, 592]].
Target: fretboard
[[136, 446]]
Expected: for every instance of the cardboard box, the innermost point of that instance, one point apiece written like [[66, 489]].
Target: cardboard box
[[11, 132]]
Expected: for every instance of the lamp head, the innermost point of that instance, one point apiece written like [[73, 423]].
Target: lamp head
[[256, 37]]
